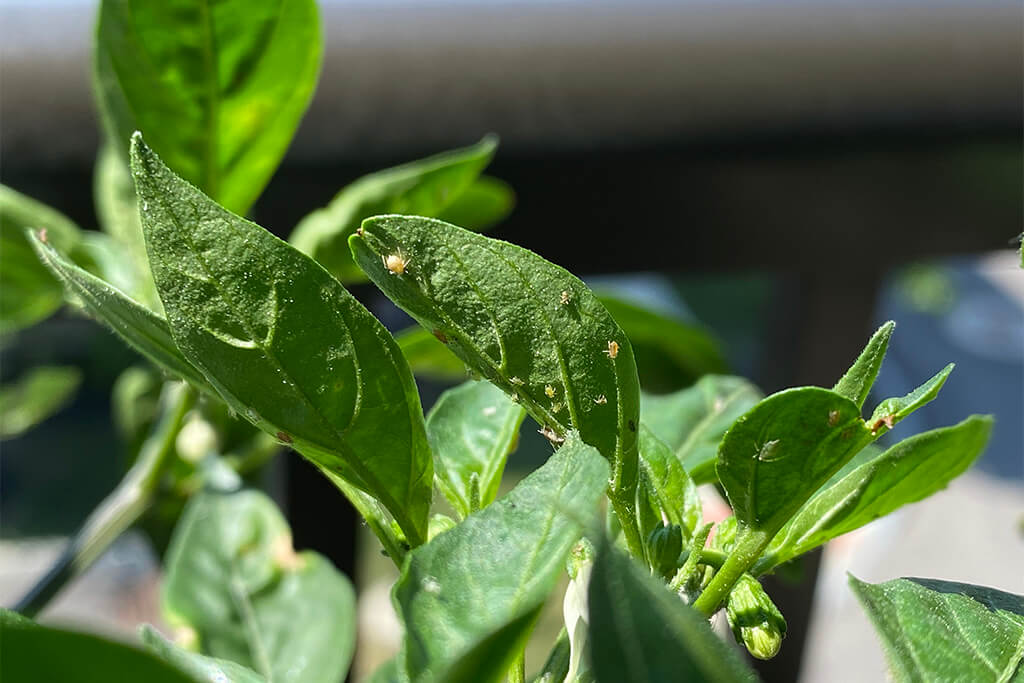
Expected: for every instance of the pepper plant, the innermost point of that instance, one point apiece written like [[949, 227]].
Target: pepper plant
[[254, 343]]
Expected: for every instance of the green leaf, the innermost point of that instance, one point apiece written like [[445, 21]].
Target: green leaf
[[233, 578], [388, 672], [945, 631], [693, 421], [37, 395], [481, 206], [892, 410], [428, 357], [669, 353], [200, 667], [285, 344], [118, 211], [472, 429], [425, 188], [28, 292], [640, 631], [138, 326], [525, 324], [910, 471], [857, 381], [665, 489], [29, 652], [217, 87], [469, 598], [780, 452]]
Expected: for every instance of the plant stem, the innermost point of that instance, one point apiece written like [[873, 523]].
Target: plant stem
[[122, 508], [627, 520], [749, 546]]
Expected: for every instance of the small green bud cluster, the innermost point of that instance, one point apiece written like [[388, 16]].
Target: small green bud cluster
[[755, 620], [664, 544]]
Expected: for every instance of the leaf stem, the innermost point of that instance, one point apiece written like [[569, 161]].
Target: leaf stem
[[749, 546], [122, 508], [627, 520]]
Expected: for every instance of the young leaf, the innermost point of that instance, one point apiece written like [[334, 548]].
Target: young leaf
[[233, 578], [665, 489], [285, 344], [692, 421], [37, 395], [424, 188], [200, 667], [892, 410], [218, 88], [469, 598], [669, 353], [28, 292], [483, 205], [138, 326], [940, 630], [640, 631], [525, 324], [857, 381], [779, 453], [472, 429], [29, 652], [910, 471]]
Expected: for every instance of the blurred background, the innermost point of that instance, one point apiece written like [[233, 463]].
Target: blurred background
[[787, 175]]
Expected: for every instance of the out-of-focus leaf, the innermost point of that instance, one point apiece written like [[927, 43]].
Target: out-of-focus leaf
[[669, 353], [423, 188], [200, 667], [428, 357], [29, 653], [29, 293], [37, 395], [481, 206], [641, 631], [692, 421], [469, 598], [217, 87], [944, 631], [472, 429], [234, 579]]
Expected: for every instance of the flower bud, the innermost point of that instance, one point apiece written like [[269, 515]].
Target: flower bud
[[755, 620], [664, 544]]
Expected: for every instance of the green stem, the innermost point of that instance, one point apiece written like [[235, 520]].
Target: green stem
[[749, 546], [697, 556], [624, 510], [122, 508]]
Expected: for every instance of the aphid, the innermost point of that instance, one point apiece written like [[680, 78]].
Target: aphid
[[359, 231], [515, 380], [833, 418], [441, 336], [549, 391], [613, 349], [42, 235], [556, 407], [550, 434], [281, 436], [564, 298], [515, 398], [396, 263], [601, 400], [886, 420]]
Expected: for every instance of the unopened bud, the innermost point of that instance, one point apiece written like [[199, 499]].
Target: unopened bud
[[664, 544], [755, 620]]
